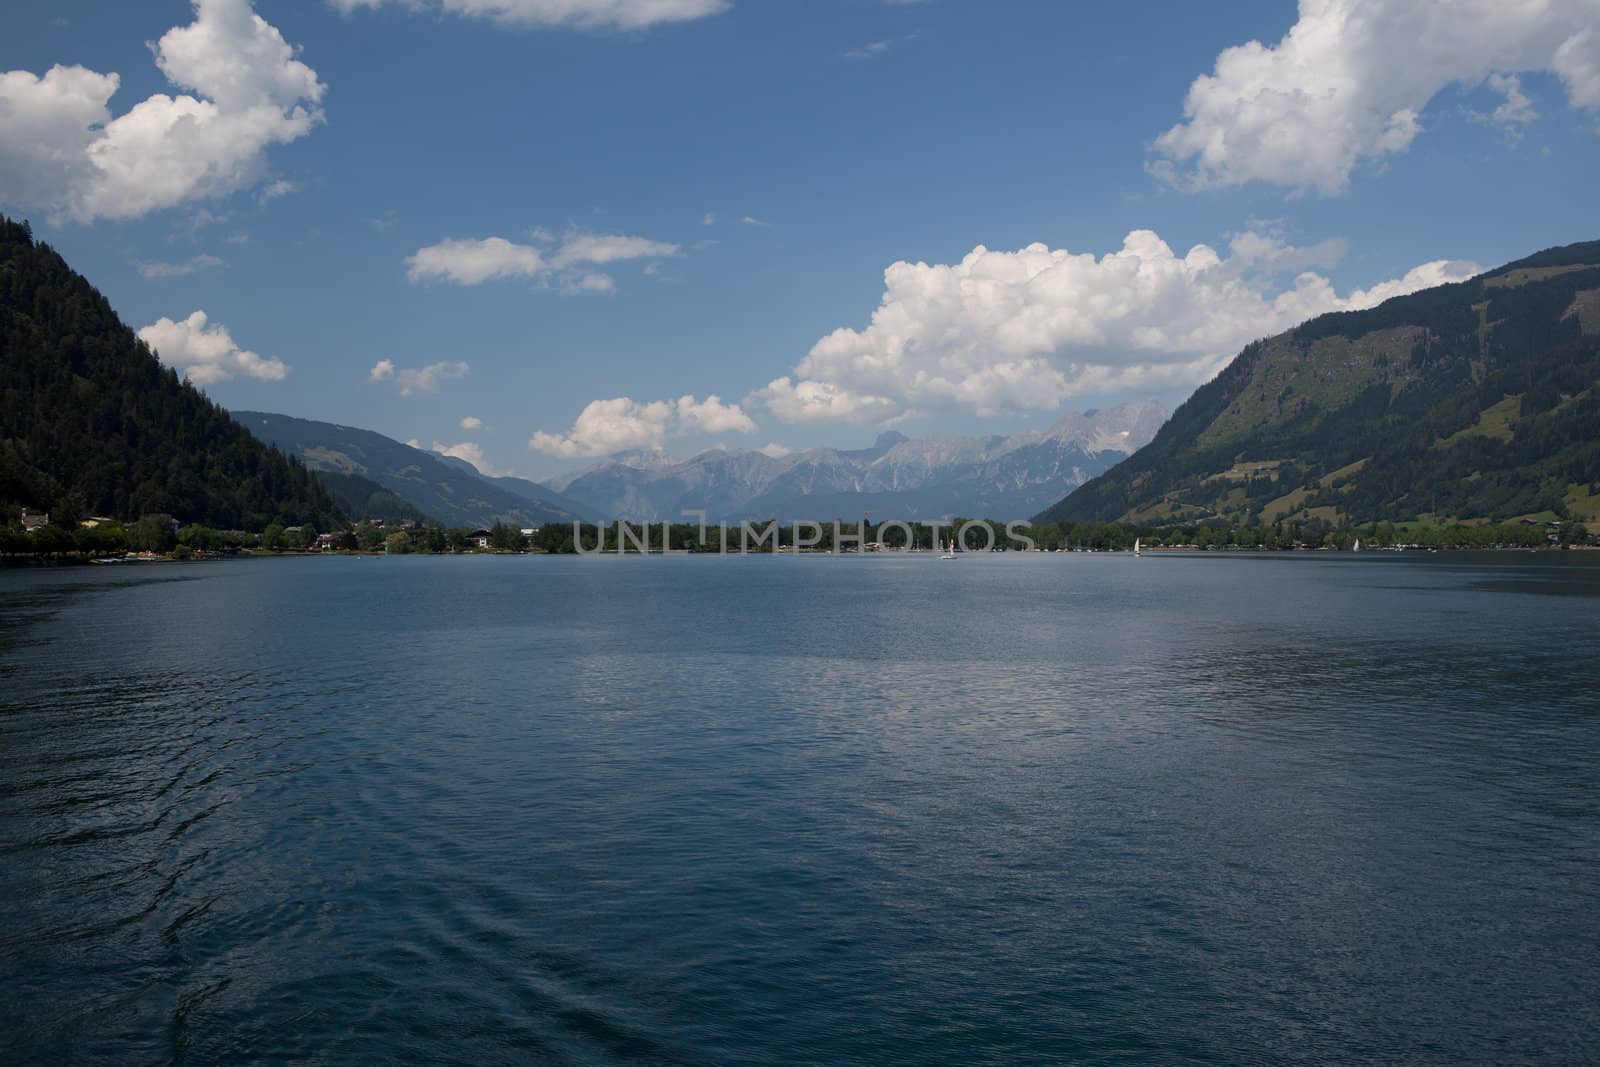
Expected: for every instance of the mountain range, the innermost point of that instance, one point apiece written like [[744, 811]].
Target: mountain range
[[897, 477], [1475, 401], [446, 490], [939, 477]]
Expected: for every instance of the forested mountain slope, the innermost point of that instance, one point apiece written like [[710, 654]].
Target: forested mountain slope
[[1477, 400], [452, 493], [92, 424]]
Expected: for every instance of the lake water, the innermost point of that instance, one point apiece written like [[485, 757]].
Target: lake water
[[855, 810]]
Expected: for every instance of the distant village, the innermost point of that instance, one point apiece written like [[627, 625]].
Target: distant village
[[31, 535], [36, 534]]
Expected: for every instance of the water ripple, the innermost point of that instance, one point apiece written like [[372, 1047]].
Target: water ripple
[[692, 811]]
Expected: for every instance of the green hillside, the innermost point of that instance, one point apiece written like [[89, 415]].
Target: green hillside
[[1473, 401], [92, 424], [362, 498], [448, 491]]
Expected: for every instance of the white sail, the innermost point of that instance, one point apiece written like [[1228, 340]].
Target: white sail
[[1136, 543]]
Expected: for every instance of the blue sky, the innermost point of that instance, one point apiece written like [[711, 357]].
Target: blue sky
[[578, 221]]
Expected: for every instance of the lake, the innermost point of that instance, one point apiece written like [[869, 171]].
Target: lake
[[821, 810]]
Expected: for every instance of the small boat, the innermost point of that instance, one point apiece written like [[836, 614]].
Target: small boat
[[950, 551], [1357, 546], [1136, 551]]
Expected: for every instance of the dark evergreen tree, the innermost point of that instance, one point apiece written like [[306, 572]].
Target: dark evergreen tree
[[92, 423]]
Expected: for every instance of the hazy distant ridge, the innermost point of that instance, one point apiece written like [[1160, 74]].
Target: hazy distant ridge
[[448, 491], [935, 477]]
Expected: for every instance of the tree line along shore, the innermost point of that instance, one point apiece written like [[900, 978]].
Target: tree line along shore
[[25, 537]]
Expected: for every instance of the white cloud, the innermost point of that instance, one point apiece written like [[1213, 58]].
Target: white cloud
[[469, 451], [206, 352], [578, 14], [1350, 80], [468, 262], [751, 220], [475, 261], [773, 450], [620, 424], [428, 379], [1428, 275], [1023, 331], [472, 422], [870, 50], [711, 415], [592, 282], [609, 248], [191, 265], [1516, 111], [419, 380], [710, 219], [816, 401], [62, 151], [1578, 63], [275, 189]]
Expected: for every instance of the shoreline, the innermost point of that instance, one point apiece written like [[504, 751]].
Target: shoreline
[[20, 561]]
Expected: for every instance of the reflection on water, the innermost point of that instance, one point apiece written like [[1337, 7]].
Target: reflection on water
[[1016, 809]]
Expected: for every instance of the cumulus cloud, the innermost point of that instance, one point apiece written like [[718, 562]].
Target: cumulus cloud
[[472, 422], [470, 451], [206, 351], [62, 151], [1018, 331], [1350, 80], [620, 424], [711, 415], [578, 14], [553, 264], [773, 450], [473, 262], [418, 380], [819, 401]]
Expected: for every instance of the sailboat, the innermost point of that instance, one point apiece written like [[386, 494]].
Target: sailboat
[[1136, 551], [1357, 546], [950, 551]]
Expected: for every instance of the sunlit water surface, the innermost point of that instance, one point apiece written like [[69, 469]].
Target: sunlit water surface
[[1045, 809]]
